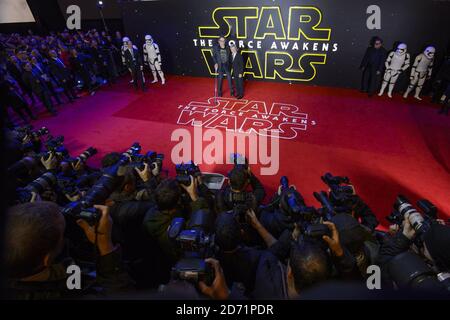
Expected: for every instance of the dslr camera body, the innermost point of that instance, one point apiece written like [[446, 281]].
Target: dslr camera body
[[196, 242]]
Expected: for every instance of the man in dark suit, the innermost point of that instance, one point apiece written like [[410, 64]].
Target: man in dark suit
[[10, 98], [15, 70], [222, 64], [238, 70], [372, 66], [38, 86], [133, 61], [61, 74]]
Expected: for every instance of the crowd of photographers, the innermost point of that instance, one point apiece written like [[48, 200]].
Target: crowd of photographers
[[43, 69], [133, 232]]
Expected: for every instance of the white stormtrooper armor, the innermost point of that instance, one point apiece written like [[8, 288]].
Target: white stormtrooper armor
[[420, 71], [153, 58], [396, 62]]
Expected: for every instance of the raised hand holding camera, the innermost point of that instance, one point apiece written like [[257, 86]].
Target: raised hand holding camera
[[218, 290], [191, 189], [50, 163], [145, 174], [101, 233]]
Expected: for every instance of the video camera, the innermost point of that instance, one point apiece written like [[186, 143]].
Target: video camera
[[196, 241], [340, 195], [45, 181], [293, 204], [307, 218], [184, 172]]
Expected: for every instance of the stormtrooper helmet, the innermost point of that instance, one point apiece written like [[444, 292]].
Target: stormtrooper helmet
[[401, 49], [429, 52], [148, 39], [125, 40]]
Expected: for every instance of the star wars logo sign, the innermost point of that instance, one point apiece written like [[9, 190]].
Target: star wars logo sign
[[243, 116], [284, 46]]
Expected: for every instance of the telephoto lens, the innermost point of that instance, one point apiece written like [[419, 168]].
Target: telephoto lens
[[409, 271], [22, 167], [403, 206], [46, 181], [87, 154], [40, 132], [317, 231]]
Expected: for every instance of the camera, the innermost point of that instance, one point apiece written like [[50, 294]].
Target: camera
[[132, 152], [196, 242], [151, 158], [45, 181], [341, 195], [417, 221], [89, 152], [397, 216], [293, 204], [184, 172], [21, 168], [409, 271], [28, 131], [317, 231], [327, 211], [54, 145], [100, 191]]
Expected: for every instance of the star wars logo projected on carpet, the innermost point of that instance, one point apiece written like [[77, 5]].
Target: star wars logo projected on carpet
[[245, 116], [287, 46]]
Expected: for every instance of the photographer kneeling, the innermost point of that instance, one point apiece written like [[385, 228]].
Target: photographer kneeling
[[36, 267]]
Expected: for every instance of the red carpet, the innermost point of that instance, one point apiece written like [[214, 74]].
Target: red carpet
[[385, 146]]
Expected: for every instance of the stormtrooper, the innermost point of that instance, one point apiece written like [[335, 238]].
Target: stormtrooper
[[421, 71], [396, 63], [153, 58], [124, 47]]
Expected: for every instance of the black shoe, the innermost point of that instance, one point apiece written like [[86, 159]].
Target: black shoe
[[239, 97]]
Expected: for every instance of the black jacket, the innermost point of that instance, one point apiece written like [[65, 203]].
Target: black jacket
[[133, 61], [217, 58], [58, 70], [33, 81], [237, 64], [374, 59]]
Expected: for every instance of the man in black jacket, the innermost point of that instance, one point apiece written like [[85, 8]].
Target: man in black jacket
[[133, 61], [9, 98], [238, 70], [372, 66], [61, 74], [15, 69], [222, 64], [38, 86], [36, 269]]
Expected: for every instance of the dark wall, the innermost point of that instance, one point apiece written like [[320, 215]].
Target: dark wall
[[174, 25]]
